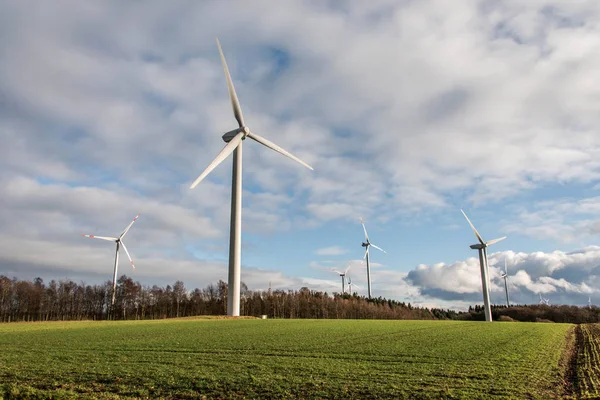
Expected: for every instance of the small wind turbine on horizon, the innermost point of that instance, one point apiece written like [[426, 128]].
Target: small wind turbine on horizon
[[234, 141], [366, 245], [483, 262], [590, 302], [343, 275], [505, 277], [350, 284], [119, 241], [544, 301]]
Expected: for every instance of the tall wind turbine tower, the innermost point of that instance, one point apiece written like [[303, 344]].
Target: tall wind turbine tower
[[483, 262], [119, 241], [366, 245], [234, 141], [505, 277]]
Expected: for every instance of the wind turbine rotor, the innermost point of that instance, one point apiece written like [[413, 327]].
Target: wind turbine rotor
[[364, 229], [227, 150], [235, 103], [128, 256], [474, 230], [491, 242], [278, 149], [110, 239], [348, 269], [378, 248], [129, 227]]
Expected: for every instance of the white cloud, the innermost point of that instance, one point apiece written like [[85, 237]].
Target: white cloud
[[571, 276]]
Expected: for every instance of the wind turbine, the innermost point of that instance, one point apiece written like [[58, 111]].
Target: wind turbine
[[366, 245], [350, 284], [505, 277], [590, 302], [234, 140], [483, 262], [119, 241], [343, 275], [544, 301]]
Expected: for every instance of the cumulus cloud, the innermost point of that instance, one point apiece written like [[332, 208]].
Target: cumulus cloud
[[567, 277]]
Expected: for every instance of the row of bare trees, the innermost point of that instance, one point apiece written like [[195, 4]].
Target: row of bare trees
[[536, 313], [66, 300]]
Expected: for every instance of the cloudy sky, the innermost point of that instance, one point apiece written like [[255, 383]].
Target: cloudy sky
[[407, 110]]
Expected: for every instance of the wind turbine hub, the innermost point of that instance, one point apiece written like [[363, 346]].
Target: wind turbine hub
[[365, 244]]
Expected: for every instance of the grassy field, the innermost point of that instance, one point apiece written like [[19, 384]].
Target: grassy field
[[281, 359]]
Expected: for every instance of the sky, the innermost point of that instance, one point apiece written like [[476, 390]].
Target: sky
[[409, 111]]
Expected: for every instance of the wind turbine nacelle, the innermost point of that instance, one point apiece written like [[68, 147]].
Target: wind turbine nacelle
[[231, 134], [365, 244], [478, 246]]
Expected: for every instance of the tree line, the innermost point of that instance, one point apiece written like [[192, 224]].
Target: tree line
[[62, 300], [536, 313], [22, 300]]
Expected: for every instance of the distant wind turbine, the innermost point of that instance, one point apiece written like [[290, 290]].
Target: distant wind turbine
[[366, 245], [350, 284], [483, 263], [234, 141], [544, 301], [343, 275], [119, 241], [505, 277], [590, 302]]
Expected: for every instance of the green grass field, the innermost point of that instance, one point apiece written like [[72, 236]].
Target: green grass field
[[281, 359]]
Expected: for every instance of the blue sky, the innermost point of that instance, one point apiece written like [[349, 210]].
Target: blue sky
[[408, 112]]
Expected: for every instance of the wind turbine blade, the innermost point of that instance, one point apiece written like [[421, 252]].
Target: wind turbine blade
[[128, 256], [366, 252], [364, 229], [129, 226], [356, 286], [378, 248], [235, 103], [338, 272], [505, 267], [491, 242], [111, 239], [227, 150], [347, 269], [473, 227], [278, 149]]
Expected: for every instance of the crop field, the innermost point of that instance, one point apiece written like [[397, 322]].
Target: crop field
[[251, 358], [588, 361]]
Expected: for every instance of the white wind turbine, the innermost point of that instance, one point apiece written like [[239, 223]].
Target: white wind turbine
[[234, 140], [119, 241], [343, 275], [350, 284], [483, 262], [544, 301], [366, 245], [505, 277]]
